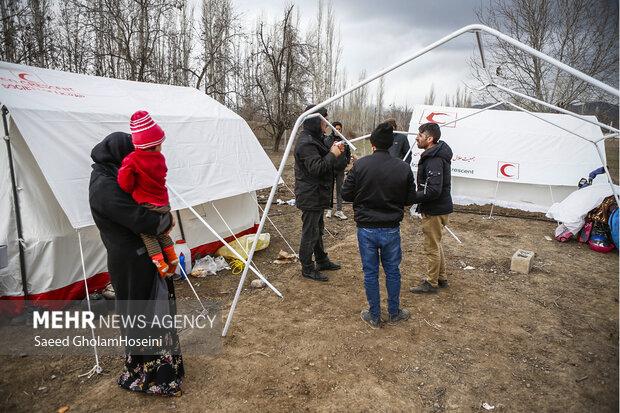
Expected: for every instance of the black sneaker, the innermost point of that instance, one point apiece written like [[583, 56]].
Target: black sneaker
[[370, 320], [402, 315], [327, 266], [314, 275], [443, 283], [424, 287]]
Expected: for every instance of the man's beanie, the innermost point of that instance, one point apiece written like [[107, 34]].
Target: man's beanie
[[382, 137], [145, 133]]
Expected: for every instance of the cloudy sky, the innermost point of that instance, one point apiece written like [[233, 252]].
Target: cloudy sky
[[376, 34]]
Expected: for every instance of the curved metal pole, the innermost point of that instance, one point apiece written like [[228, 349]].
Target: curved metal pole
[[549, 122], [550, 106], [289, 145], [546, 58]]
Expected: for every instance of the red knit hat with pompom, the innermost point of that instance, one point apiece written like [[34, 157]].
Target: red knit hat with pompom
[[145, 133]]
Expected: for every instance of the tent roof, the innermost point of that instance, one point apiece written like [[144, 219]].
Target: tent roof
[[210, 151]]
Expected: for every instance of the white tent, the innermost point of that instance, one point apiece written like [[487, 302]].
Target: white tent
[[55, 118], [511, 158]]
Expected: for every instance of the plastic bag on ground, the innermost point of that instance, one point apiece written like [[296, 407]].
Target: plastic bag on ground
[[204, 266], [242, 245]]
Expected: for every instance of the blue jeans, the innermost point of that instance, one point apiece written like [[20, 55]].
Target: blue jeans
[[384, 244]]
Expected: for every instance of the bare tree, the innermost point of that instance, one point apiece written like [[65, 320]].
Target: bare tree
[[280, 73], [429, 99], [324, 53], [218, 30], [379, 102], [12, 13], [582, 34], [461, 99]]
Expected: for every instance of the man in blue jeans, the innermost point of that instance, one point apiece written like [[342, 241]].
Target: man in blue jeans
[[380, 186]]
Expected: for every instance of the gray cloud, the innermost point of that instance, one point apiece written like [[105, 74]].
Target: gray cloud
[[376, 34]]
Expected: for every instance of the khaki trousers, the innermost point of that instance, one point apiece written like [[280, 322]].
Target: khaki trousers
[[432, 227]]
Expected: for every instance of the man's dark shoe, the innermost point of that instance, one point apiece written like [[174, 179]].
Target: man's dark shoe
[[370, 320], [424, 287], [314, 275], [403, 315], [327, 266], [443, 283]]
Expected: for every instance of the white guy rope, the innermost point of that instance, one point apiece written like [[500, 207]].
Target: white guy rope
[[453, 234], [235, 253], [96, 368], [204, 310], [274, 225]]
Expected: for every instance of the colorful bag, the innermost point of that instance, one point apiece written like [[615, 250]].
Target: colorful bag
[[599, 238]]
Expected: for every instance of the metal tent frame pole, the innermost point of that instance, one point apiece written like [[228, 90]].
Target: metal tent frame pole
[[599, 152], [18, 215], [550, 106], [467, 29]]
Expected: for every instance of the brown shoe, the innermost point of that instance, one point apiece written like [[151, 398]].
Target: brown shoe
[[423, 288]]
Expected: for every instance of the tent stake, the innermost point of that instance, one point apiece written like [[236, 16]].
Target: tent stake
[[18, 215], [493, 203], [96, 368]]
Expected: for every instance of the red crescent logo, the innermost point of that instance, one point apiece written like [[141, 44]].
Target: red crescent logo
[[22, 76], [503, 168], [433, 114]]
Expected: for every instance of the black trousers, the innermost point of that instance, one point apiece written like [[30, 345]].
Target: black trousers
[[311, 239]]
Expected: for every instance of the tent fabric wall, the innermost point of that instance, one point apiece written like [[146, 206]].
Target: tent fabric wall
[[212, 155], [535, 163], [211, 152], [51, 244]]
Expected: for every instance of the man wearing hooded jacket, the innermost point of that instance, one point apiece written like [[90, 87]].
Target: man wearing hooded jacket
[[314, 179], [434, 203]]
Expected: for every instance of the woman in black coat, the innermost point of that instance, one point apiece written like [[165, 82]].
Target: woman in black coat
[[154, 370]]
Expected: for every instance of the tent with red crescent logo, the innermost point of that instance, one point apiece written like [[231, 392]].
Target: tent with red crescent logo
[[55, 118], [511, 158]]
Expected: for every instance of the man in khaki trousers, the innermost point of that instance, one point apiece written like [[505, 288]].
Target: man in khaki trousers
[[434, 203]]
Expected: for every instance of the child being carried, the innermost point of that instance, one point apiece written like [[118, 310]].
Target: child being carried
[[143, 175]]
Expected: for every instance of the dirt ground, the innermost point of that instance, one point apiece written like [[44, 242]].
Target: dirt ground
[[547, 341]]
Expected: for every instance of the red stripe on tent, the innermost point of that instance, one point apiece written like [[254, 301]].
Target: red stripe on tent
[[55, 299], [14, 305]]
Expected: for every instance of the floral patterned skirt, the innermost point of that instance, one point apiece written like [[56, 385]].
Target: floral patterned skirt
[[153, 374], [156, 370]]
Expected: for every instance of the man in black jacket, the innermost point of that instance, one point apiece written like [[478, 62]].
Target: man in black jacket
[[314, 179], [339, 167], [400, 147], [434, 203], [380, 186]]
